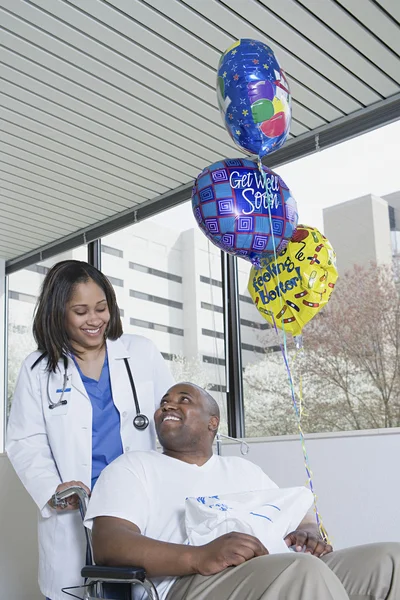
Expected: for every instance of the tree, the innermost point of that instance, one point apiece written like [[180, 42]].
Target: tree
[[20, 344], [189, 369], [268, 407], [353, 352], [348, 369]]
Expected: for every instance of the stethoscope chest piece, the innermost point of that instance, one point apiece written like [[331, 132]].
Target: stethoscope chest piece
[[140, 421]]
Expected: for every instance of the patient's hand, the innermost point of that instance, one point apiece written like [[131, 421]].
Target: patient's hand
[[312, 541], [229, 550]]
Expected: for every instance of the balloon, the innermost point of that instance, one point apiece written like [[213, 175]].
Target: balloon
[[291, 290], [254, 97], [235, 212]]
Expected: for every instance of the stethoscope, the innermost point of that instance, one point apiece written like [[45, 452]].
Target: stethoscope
[[140, 421]]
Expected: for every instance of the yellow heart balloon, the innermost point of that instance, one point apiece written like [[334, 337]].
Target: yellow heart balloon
[[291, 290]]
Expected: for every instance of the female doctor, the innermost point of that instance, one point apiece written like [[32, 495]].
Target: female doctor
[[87, 395]]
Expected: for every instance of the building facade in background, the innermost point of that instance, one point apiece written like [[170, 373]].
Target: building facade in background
[[364, 230]]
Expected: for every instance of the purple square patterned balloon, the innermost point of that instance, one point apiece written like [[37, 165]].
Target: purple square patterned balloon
[[237, 215]]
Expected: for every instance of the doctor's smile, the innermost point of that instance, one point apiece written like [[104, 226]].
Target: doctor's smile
[[87, 315]]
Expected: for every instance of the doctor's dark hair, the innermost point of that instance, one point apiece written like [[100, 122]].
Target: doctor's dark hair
[[58, 286]]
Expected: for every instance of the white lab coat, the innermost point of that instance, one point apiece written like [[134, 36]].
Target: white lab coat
[[48, 447]]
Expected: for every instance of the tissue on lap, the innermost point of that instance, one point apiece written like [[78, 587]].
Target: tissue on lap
[[268, 515]]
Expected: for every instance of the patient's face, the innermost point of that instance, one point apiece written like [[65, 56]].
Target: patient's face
[[183, 419]]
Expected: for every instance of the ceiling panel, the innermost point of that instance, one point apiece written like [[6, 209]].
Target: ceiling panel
[[331, 43], [338, 19], [376, 21], [392, 8], [108, 105]]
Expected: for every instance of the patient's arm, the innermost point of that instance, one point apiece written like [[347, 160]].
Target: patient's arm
[[117, 542]]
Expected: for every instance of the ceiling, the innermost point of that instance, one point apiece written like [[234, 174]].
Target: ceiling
[[109, 106]]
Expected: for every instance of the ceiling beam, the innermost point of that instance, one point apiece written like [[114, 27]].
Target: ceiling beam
[[369, 118]]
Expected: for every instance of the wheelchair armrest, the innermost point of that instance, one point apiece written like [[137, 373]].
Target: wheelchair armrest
[[120, 573]]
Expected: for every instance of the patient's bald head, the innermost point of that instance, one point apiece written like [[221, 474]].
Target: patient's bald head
[[187, 420]]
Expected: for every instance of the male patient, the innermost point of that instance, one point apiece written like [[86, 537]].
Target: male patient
[[137, 513]]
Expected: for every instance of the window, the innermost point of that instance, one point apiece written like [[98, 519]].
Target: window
[[259, 349], [217, 387], [213, 307], [22, 297], [244, 322], [115, 281], [350, 345], [214, 334], [121, 312], [214, 360], [112, 251], [210, 281], [246, 299], [254, 324], [38, 269], [156, 327], [156, 299], [162, 295], [262, 368], [155, 272]]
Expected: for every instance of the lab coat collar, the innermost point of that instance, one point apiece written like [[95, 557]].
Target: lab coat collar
[[117, 350], [76, 380]]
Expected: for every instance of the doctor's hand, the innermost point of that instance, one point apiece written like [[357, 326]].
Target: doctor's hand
[[228, 550], [72, 501], [311, 540]]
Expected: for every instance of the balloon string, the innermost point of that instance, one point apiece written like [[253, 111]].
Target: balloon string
[[270, 200], [298, 406], [269, 204]]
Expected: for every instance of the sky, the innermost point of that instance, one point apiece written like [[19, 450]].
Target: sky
[[367, 164]]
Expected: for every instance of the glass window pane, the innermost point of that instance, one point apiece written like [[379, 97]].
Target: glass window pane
[[351, 194], [23, 290], [172, 294], [261, 357]]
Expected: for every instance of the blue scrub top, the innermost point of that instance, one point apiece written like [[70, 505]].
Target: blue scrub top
[[106, 435]]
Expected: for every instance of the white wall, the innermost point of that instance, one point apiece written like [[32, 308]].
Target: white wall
[[18, 538], [356, 478], [355, 475]]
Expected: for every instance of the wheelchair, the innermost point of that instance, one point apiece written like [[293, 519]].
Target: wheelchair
[[112, 583]]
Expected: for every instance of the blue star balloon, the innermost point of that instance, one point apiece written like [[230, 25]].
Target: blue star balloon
[[254, 97], [238, 214]]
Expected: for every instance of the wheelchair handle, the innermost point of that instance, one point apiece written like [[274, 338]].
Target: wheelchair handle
[[59, 499]]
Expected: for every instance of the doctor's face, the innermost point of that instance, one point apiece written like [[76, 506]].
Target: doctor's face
[[87, 316]]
